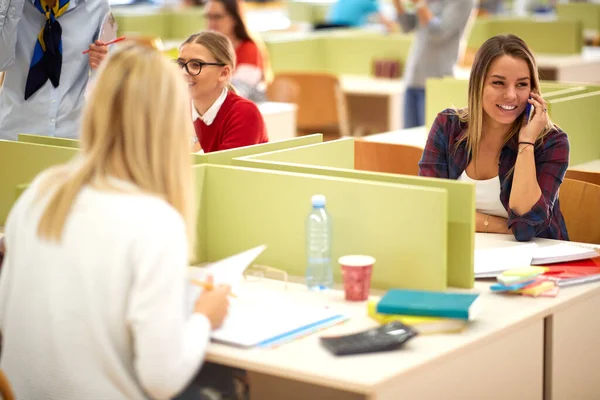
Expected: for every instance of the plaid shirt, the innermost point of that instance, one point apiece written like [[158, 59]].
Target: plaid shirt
[[443, 159]]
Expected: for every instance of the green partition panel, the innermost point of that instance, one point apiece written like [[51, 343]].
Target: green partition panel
[[307, 11], [577, 116], [49, 140], [224, 157], [587, 13], [316, 159], [183, 23], [199, 174], [542, 36], [355, 54], [270, 207], [141, 21], [303, 55], [26, 161]]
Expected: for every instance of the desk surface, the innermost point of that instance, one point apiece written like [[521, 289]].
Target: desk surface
[[367, 373], [416, 137], [357, 84], [591, 166], [271, 107]]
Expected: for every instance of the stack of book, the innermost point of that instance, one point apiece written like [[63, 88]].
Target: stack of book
[[547, 280], [428, 312]]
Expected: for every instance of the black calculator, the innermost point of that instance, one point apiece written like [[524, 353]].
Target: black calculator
[[386, 337]]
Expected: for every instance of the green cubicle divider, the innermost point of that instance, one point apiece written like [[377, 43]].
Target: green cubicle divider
[[307, 11], [224, 157], [162, 23], [336, 158], [577, 116], [541, 35], [49, 140], [587, 13], [258, 206], [335, 51], [26, 161]]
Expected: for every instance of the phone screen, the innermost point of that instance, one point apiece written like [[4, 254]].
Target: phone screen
[[528, 112]]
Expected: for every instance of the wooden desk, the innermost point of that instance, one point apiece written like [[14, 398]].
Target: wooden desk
[[554, 352], [374, 104], [280, 120]]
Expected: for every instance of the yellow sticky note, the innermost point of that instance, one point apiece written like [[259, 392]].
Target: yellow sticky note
[[526, 271]]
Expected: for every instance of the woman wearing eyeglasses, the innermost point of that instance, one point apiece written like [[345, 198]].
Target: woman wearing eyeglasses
[[253, 71], [222, 119]]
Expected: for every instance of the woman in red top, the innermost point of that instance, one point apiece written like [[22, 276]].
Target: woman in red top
[[222, 119], [253, 71]]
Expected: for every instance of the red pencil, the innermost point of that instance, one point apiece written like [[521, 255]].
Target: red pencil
[[110, 42]]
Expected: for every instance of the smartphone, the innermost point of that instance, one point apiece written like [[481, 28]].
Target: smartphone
[[528, 112]]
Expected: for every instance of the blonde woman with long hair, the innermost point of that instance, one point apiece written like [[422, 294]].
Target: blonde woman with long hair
[[93, 288], [505, 144], [222, 119]]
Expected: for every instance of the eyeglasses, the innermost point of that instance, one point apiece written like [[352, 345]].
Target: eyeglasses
[[194, 67]]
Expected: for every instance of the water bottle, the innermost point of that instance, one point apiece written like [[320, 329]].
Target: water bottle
[[319, 275]]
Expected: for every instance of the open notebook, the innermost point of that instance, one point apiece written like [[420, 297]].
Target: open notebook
[[266, 321], [259, 320], [490, 262]]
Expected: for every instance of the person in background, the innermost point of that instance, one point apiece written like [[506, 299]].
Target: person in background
[[439, 26], [517, 166], [355, 13], [93, 298], [222, 119], [253, 72], [45, 71]]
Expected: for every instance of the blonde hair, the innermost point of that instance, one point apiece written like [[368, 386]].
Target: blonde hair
[[219, 46], [493, 48], [127, 134]]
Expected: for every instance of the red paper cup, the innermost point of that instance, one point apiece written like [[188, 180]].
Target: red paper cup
[[356, 271]]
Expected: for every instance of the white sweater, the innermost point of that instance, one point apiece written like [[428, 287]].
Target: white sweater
[[102, 314]]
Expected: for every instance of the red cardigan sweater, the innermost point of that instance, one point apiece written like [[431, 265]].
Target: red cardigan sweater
[[238, 123]]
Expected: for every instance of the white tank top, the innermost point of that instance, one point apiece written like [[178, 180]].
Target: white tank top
[[487, 195]]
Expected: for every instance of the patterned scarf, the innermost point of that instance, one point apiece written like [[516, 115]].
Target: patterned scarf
[[47, 55]]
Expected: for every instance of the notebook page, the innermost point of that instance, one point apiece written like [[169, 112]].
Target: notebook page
[[562, 252], [492, 261], [251, 321]]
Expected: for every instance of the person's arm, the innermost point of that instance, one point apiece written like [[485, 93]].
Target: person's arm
[[408, 22], [538, 174], [494, 224], [390, 26], [434, 162], [169, 342], [248, 72], [452, 20], [10, 14], [244, 127]]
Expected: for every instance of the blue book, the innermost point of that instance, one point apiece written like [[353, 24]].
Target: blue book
[[430, 304]]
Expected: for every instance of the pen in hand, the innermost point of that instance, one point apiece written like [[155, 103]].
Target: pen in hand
[[119, 39], [208, 286]]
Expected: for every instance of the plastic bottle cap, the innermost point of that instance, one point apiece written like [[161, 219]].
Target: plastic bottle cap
[[318, 200]]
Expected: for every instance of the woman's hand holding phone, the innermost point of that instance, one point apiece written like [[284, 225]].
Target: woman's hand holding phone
[[535, 121]]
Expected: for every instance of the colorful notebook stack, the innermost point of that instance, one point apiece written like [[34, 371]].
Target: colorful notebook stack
[[546, 280], [528, 281], [427, 312]]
